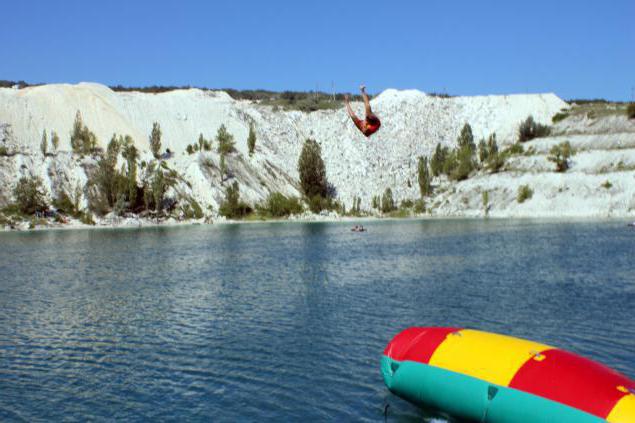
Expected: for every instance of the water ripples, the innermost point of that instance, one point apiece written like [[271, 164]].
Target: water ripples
[[286, 321]]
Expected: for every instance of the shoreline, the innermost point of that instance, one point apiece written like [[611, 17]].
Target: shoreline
[[314, 218]]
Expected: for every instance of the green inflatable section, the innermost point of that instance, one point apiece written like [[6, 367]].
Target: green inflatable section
[[471, 398]]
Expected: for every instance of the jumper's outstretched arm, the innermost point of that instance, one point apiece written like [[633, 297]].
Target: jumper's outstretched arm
[[349, 110]]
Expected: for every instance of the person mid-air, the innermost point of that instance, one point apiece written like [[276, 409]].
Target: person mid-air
[[371, 124]]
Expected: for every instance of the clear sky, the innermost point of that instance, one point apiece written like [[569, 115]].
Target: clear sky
[[577, 49]]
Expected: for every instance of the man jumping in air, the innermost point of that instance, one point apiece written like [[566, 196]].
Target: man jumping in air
[[371, 124]]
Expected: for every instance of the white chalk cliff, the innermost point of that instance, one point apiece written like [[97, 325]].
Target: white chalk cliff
[[412, 124]]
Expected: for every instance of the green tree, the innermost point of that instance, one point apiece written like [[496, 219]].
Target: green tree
[[375, 203], [463, 161], [131, 154], [466, 139], [387, 202], [483, 151], [425, 188], [312, 170], [29, 195], [189, 149], [225, 141], [492, 147], [44, 143], [107, 178], [251, 140], [155, 140], [438, 160], [83, 141], [530, 129], [201, 142], [159, 187], [232, 207], [55, 140]]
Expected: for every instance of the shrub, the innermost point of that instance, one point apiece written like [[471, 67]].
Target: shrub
[[514, 149], [559, 154], [155, 140], [496, 162], [189, 149], [55, 140], [483, 152], [63, 203], [192, 210], [420, 206], [278, 205], [232, 207], [524, 193], [559, 117], [406, 204], [529, 129], [312, 170], [630, 111], [423, 176], [83, 141], [387, 202], [30, 196], [225, 141], [3, 151], [251, 140], [607, 184], [86, 218], [485, 198]]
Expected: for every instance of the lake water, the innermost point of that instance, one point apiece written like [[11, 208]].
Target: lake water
[[287, 321]]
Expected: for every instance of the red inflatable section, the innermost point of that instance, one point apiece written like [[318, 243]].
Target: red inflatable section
[[573, 380], [409, 344]]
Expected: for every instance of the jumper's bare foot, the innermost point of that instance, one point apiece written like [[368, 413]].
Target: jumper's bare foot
[[362, 88]]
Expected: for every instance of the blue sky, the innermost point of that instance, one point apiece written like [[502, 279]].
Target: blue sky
[[577, 49]]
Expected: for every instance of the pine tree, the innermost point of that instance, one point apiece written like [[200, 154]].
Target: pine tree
[[425, 187], [131, 155], [225, 141], [466, 139], [438, 160], [312, 170], [44, 144], [387, 202], [483, 151], [155, 140], [251, 140]]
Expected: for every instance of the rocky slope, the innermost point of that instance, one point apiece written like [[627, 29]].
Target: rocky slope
[[412, 124]]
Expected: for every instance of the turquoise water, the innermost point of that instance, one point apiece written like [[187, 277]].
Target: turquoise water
[[287, 321]]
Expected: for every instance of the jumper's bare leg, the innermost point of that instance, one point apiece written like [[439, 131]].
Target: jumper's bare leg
[[362, 88]]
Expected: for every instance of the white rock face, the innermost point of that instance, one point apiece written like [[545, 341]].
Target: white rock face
[[412, 124]]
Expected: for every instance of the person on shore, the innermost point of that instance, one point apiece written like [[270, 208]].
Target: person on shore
[[371, 124]]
